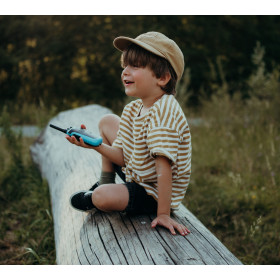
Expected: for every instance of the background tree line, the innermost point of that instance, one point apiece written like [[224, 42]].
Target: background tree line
[[67, 61]]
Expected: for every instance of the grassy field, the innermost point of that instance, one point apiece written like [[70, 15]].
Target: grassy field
[[234, 187], [26, 229]]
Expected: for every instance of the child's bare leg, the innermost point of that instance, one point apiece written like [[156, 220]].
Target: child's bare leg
[[110, 197], [108, 129], [106, 196]]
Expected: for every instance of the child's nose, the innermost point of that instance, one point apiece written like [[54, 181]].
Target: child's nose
[[125, 71]]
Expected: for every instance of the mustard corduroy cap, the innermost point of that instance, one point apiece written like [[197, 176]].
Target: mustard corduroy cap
[[158, 44]]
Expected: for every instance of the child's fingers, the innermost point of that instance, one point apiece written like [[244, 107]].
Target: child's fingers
[[72, 139], [75, 141], [79, 142], [82, 141], [172, 230], [154, 223], [83, 144], [173, 226], [182, 229]]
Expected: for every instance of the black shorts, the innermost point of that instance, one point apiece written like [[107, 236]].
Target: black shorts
[[139, 201]]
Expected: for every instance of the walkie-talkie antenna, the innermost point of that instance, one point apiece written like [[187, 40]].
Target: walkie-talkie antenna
[[58, 128]]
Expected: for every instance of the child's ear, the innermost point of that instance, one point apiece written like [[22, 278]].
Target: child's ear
[[163, 80]]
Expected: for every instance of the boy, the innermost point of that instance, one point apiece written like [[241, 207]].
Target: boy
[[150, 145]]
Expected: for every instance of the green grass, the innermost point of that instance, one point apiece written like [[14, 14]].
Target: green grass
[[234, 187], [26, 229]]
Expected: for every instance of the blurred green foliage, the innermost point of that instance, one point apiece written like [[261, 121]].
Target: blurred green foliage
[[235, 177], [68, 61], [26, 227]]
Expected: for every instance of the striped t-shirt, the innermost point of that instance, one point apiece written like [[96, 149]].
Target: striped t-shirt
[[164, 131]]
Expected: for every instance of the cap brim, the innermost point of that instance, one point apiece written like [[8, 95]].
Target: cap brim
[[122, 43]]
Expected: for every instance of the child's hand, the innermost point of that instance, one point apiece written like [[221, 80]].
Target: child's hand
[[169, 223], [80, 143]]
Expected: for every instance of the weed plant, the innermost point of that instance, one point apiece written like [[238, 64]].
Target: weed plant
[[234, 187], [26, 228]]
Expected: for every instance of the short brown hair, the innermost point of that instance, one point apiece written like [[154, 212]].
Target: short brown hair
[[137, 56]]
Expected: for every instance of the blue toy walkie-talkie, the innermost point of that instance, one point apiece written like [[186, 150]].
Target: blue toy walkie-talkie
[[88, 138]]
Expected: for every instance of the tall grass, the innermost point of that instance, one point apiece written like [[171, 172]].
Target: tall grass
[[26, 228], [234, 187]]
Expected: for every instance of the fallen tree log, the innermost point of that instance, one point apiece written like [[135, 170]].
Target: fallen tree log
[[110, 238]]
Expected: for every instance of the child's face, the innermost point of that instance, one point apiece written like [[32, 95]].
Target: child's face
[[140, 82]]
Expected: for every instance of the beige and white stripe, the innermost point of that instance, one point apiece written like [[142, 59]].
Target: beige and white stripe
[[162, 131]]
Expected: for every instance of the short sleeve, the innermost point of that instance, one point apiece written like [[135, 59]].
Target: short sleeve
[[163, 141]]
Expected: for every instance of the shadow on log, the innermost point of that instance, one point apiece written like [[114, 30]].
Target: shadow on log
[[110, 238]]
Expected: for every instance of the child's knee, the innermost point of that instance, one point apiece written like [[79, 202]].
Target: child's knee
[[110, 198], [108, 121], [108, 128], [99, 199]]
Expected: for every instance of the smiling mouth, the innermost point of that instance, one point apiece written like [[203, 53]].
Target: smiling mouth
[[126, 82]]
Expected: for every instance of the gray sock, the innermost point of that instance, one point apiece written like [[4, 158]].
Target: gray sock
[[107, 178]]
